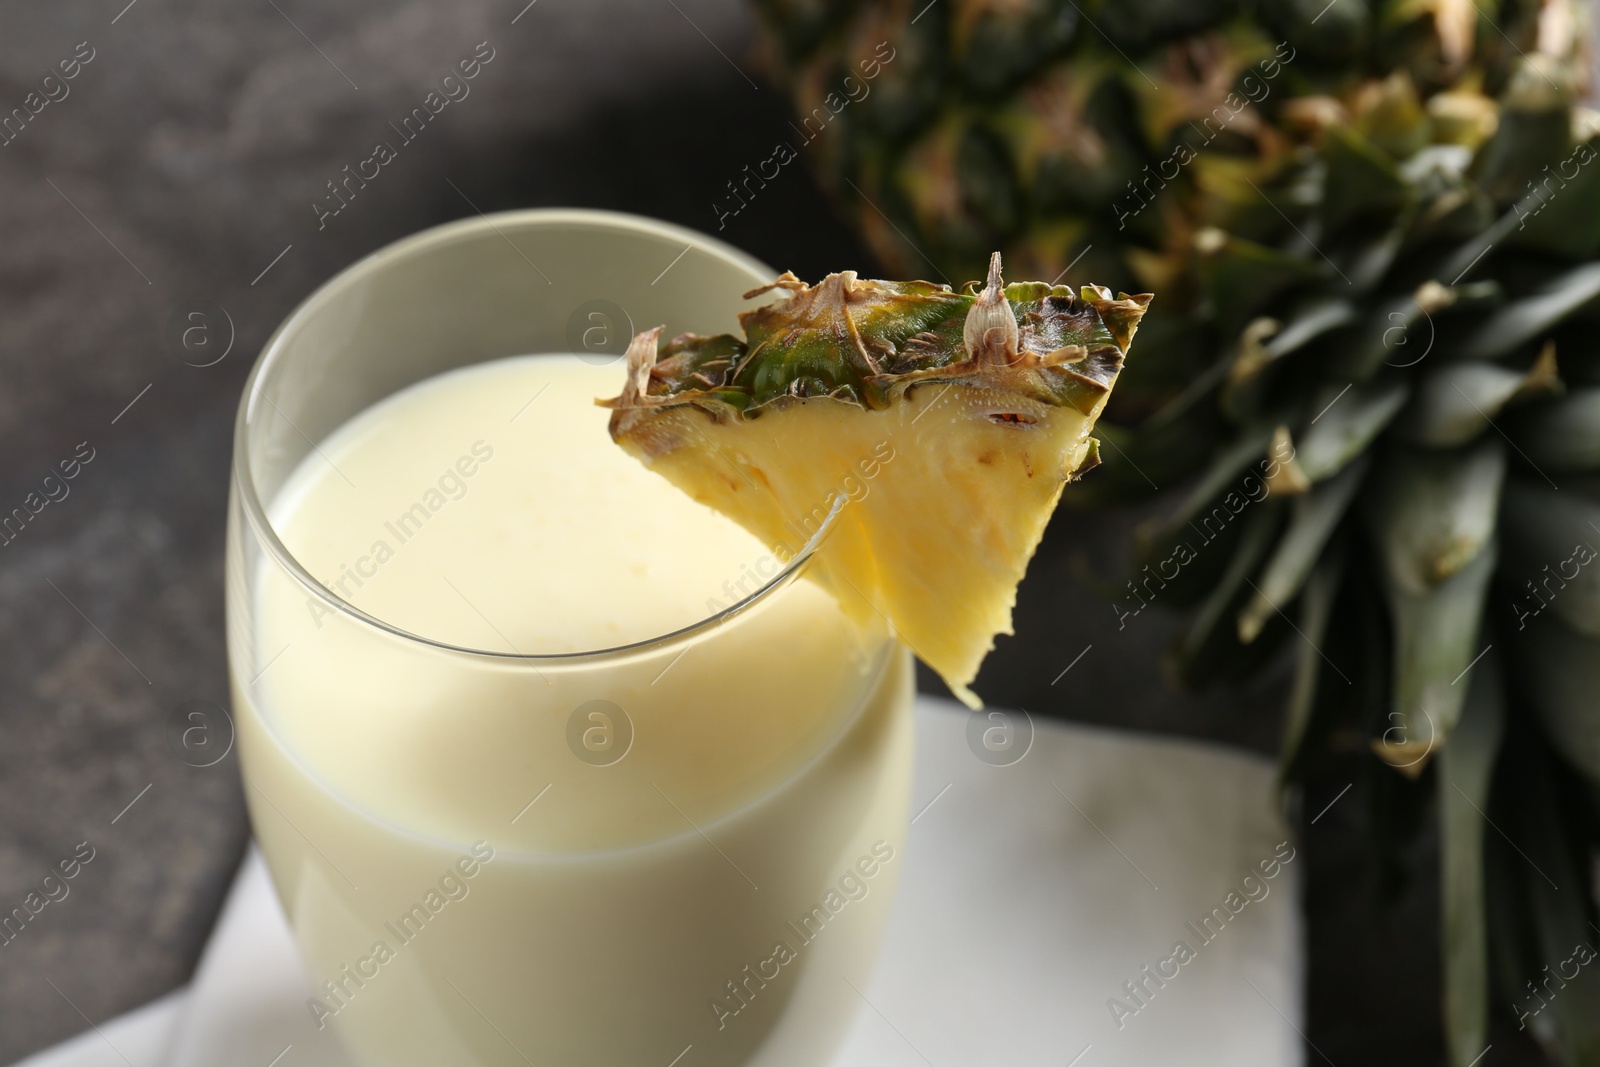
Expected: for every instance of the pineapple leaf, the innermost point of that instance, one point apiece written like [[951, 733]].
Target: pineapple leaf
[[1228, 467], [1201, 652], [1400, 332], [1433, 513], [1467, 767], [1362, 181], [1469, 256], [1310, 320], [1435, 640], [1562, 669], [1514, 954], [1265, 342], [1312, 519], [1367, 264], [1316, 610], [1196, 390], [1556, 834], [1345, 426], [1563, 435], [1433, 516], [1240, 276], [1550, 538], [1455, 403], [1558, 216], [1525, 319], [1244, 390]]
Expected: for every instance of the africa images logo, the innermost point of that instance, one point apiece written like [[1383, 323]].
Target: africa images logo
[[853, 885], [453, 885]]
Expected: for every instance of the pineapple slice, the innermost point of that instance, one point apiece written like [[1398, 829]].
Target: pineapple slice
[[941, 425]]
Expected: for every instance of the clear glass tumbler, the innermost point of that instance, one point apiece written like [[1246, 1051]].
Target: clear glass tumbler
[[549, 895]]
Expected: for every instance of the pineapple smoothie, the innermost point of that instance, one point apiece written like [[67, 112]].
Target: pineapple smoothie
[[683, 849]]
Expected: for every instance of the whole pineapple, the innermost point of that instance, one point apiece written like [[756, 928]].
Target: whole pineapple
[[1375, 228]]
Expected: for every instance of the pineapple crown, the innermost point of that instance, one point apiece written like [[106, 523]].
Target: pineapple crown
[[864, 342]]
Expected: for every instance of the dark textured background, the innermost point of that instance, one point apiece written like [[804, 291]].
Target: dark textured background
[[185, 158]]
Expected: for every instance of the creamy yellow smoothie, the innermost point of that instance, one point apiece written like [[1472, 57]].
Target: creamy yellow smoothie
[[683, 849]]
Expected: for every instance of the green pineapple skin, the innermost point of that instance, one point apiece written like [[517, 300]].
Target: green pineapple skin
[[1387, 267]]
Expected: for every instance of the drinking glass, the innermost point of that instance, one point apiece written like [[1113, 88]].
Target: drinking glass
[[684, 846]]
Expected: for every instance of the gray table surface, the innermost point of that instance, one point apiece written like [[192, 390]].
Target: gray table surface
[[182, 167]]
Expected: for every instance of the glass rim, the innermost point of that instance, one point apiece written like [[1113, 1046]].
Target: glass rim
[[419, 243]]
